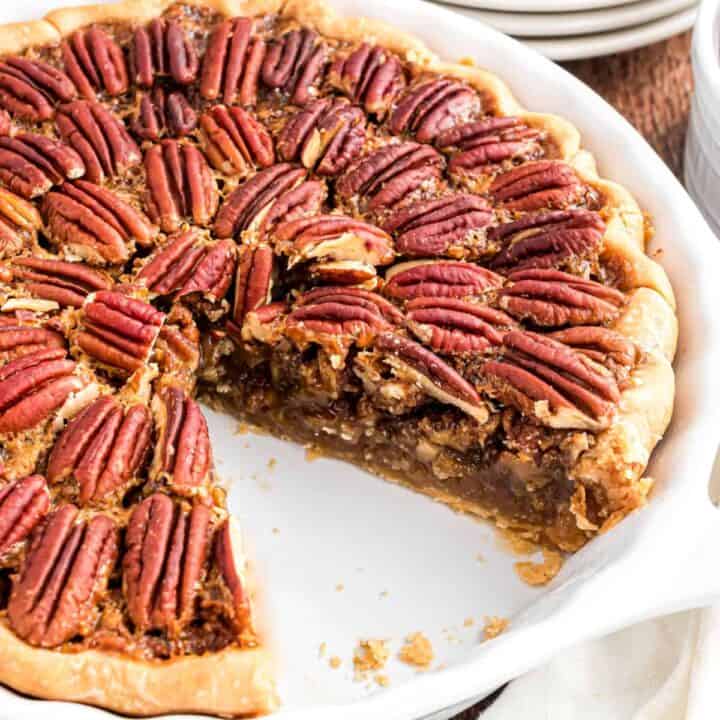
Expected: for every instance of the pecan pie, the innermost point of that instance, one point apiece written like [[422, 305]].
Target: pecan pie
[[312, 223]]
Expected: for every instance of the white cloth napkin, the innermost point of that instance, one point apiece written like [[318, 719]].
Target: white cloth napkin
[[665, 669]]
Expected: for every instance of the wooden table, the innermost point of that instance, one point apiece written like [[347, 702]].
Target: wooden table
[[652, 88]]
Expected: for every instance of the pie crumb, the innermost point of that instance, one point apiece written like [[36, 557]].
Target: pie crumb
[[312, 453], [339, 587], [469, 622], [382, 680], [322, 649], [417, 650], [543, 572], [272, 462], [371, 655], [242, 428], [494, 626], [334, 662]]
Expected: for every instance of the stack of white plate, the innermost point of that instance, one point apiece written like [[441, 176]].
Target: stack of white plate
[[573, 29]]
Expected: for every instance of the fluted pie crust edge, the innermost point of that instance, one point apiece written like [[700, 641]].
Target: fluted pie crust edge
[[240, 682]]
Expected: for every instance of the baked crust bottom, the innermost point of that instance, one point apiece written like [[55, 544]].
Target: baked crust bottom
[[231, 682]]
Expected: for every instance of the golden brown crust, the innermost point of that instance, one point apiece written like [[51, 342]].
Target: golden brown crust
[[16, 37], [230, 682]]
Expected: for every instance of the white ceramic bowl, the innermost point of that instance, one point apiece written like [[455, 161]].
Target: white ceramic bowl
[[336, 525], [702, 151]]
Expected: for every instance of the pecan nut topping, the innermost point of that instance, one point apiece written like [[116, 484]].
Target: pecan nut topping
[[164, 563], [161, 49], [30, 89], [23, 505], [253, 282], [31, 164], [484, 145], [34, 386], [333, 237], [545, 184], [117, 330], [232, 63], [326, 135], [601, 344], [341, 312], [344, 272], [551, 298], [17, 340], [439, 278], [95, 63], [452, 327], [250, 206], [294, 63], [163, 114], [19, 222], [431, 107], [550, 381], [453, 225], [185, 267], [234, 141], [434, 376], [177, 349], [183, 457], [390, 173], [92, 223], [99, 137], [180, 186], [370, 76], [548, 240], [101, 449], [65, 283], [65, 574], [229, 560]]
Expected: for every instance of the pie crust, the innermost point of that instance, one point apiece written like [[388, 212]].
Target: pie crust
[[239, 680]]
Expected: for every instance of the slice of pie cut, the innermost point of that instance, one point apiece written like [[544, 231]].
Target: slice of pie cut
[[313, 224]]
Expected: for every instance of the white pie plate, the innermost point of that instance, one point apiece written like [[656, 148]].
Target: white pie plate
[[540, 6], [313, 527], [569, 24]]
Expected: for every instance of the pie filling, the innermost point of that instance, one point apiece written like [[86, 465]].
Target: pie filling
[[325, 238]]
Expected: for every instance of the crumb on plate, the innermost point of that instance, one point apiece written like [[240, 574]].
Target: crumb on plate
[[417, 651]]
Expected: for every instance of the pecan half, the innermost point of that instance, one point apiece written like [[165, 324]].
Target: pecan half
[[327, 134], [253, 283], [370, 76], [390, 173], [19, 222], [453, 225], [341, 312], [551, 298], [95, 63], [548, 240], [344, 272], [601, 344], [180, 186], [31, 164], [177, 349], [451, 326], [434, 376], [439, 278], [431, 107], [92, 223], [160, 49], [251, 205], [185, 266], [117, 330], [183, 457], [34, 386], [101, 449], [235, 141], [5, 122], [163, 114], [293, 64], [232, 63], [65, 283], [99, 138], [229, 560], [17, 340], [484, 145], [550, 381], [333, 237], [23, 505], [545, 184], [29, 89], [64, 576], [164, 563]]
